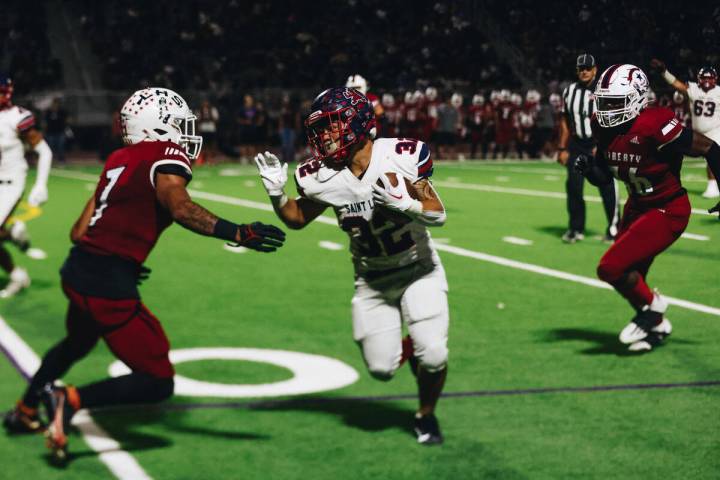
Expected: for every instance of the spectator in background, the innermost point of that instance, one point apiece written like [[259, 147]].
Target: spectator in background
[[289, 123], [207, 120], [56, 124], [247, 130], [448, 126]]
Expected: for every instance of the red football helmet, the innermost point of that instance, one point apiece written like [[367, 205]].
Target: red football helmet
[[707, 78], [341, 117], [6, 91]]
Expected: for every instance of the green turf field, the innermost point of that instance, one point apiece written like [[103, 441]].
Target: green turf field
[[527, 348]]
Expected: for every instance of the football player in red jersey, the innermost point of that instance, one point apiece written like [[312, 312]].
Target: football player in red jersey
[[644, 147], [141, 191]]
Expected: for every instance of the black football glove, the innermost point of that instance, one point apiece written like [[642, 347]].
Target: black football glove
[[658, 65], [582, 164], [143, 274], [261, 237], [715, 209]]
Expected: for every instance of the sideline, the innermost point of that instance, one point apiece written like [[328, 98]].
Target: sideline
[[25, 360]]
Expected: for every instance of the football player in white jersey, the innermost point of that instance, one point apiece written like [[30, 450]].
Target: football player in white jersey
[[381, 194], [704, 99], [17, 127]]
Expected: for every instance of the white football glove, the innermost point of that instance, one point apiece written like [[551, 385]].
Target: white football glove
[[273, 173], [38, 195], [396, 198]]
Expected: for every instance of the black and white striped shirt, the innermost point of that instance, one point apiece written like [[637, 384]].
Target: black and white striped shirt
[[578, 107]]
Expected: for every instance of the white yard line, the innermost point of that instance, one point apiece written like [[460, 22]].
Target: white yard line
[[469, 253], [121, 463], [527, 192]]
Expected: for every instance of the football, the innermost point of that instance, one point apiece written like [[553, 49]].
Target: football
[[393, 177]]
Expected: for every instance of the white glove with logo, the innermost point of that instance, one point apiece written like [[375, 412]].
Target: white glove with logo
[[273, 173], [38, 195], [396, 198]]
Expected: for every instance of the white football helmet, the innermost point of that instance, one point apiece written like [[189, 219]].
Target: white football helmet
[[532, 96], [159, 114], [478, 100], [431, 94], [555, 99], [409, 98], [678, 98], [620, 95], [388, 100], [456, 100], [516, 99], [505, 95], [357, 82]]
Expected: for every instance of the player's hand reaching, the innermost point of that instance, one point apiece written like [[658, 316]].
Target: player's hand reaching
[[261, 237], [273, 173], [715, 209], [658, 65], [582, 164], [38, 195]]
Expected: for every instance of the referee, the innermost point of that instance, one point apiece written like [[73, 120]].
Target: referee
[[575, 139]]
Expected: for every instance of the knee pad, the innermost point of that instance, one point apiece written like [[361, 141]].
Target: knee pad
[[433, 358]]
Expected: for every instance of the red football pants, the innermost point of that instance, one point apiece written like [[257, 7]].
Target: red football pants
[[129, 329], [643, 234]]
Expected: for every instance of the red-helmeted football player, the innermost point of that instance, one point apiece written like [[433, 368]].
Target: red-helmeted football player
[[141, 192], [643, 147]]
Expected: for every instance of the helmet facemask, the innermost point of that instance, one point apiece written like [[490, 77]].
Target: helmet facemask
[[330, 136]]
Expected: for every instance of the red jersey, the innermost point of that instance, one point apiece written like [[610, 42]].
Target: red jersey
[[651, 173], [128, 220]]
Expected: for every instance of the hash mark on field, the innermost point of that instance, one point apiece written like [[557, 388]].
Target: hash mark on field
[[330, 245], [121, 463], [517, 241], [693, 236], [551, 178]]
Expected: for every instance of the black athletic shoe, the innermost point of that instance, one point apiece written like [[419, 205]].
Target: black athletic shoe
[[22, 419], [59, 412], [427, 430]]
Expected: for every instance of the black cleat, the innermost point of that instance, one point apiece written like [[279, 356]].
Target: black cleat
[[59, 412], [22, 419], [427, 430]]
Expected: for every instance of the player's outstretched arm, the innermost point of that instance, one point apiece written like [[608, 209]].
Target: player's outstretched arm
[[659, 65], [172, 195], [39, 192], [295, 213]]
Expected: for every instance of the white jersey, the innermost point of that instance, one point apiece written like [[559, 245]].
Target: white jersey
[[13, 121], [705, 110], [380, 239]]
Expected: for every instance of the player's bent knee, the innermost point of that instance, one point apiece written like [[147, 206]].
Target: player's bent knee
[[434, 358], [609, 272], [382, 372], [163, 389]]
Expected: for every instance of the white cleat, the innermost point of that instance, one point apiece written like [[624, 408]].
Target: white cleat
[[650, 319], [712, 190], [19, 279]]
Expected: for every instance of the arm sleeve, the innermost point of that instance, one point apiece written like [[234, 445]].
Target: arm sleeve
[[668, 128], [26, 122], [171, 160], [424, 163]]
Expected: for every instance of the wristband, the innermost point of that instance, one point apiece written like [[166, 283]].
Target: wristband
[[225, 230], [562, 149], [669, 77], [279, 201]]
